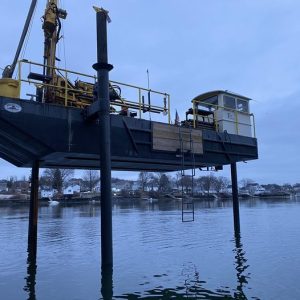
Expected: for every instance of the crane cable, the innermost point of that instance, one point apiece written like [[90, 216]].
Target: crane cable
[[63, 38], [64, 45]]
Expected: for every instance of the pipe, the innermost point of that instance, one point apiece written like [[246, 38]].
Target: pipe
[[9, 70], [33, 210], [235, 198], [102, 67]]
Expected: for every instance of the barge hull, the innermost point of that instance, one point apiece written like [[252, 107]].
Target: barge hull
[[59, 136]]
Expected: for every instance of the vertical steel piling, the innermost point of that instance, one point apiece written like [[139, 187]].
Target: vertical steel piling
[[33, 210], [235, 198], [102, 67]]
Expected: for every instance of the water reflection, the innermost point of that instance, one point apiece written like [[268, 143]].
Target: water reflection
[[189, 284], [31, 272], [241, 268], [193, 286]]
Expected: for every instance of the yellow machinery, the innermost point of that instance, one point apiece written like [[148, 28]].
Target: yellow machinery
[[9, 88], [57, 86]]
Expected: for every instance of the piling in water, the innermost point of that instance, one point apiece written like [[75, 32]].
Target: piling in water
[[102, 67], [235, 199], [33, 210]]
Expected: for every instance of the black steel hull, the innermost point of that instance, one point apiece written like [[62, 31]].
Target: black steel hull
[[58, 136]]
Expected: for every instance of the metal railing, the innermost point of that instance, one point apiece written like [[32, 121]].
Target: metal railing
[[70, 93], [213, 118]]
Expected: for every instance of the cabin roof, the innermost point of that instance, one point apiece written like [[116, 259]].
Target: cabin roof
[[204, 96]]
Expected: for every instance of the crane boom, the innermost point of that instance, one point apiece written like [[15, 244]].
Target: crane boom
[[9, 70]]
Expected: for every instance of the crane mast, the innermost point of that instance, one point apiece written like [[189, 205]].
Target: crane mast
[[52, 28]]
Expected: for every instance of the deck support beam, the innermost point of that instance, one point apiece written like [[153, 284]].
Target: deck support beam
[[102, 67], [33, 209], [235, 199]]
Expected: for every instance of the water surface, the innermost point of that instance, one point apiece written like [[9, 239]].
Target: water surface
[[156, 256]]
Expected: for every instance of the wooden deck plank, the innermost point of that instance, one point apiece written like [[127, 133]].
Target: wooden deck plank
[[166, 137]]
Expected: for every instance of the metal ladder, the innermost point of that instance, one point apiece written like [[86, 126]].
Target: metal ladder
[[187, 203]]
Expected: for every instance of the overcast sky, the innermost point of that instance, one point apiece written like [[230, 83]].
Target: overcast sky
[[251, 47]]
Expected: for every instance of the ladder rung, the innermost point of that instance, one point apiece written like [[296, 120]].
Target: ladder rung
[[188, 204]]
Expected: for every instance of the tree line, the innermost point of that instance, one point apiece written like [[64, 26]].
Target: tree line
[[147, 181], [59, 178], [163, 182]]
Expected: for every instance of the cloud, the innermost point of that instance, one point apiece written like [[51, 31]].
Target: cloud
[[251, 47]]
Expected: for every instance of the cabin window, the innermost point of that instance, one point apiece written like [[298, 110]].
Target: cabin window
[[242, 105], [229, 102], [209, 103], [212, 100]]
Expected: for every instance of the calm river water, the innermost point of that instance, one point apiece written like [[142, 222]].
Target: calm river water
[[156, 256]]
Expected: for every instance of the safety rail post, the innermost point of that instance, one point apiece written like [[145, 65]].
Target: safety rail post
[[215, 120], [66, 88], [194, 115], [19, 72], [169, 108], [254, 129], [19, 76], [140, 103], [236, 121]]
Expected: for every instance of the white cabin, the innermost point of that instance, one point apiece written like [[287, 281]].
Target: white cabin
[[225, 110]]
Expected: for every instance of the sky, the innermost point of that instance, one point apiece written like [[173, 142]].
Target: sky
[[251, 47]]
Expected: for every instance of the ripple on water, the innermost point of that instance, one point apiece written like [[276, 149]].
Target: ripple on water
[[155, 255]]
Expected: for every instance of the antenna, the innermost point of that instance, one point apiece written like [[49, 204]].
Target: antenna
[[148, 76]]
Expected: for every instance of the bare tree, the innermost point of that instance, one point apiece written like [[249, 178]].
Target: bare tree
[[221, 183], [288, 188], [57, 177], [207, 183], [11, 182], [164, 184], [177, 180], [91, 178], [186, 182], [245, 182], [143, 180], [153, 182]]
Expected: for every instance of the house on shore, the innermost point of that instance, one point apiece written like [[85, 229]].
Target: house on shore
[[47, 193], [3, 186], [72, 189]]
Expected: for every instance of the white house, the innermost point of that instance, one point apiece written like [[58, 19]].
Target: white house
[[136, 186], [3, 186], [49, 193], [72, 189]]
